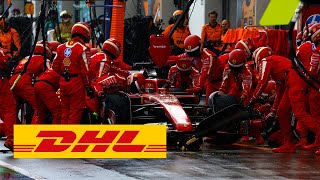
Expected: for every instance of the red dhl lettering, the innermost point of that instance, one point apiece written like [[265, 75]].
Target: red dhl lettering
[[50, 144]]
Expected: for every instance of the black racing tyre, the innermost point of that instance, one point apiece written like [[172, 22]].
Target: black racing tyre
[[120, 104], [219, 102]]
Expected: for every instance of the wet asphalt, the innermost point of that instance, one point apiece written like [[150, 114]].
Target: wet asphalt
[[220, 162], [237, 161], [9, 174]]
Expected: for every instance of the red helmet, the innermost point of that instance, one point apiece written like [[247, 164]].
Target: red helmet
[[137, 80], [299, 39], [39, 49], [246, 45], [112, 46], [306, 32], [315, 32], [192, 43], [237, 58], [94, 51], [54, 45], [82, 28], [184, 65], [260, 53]]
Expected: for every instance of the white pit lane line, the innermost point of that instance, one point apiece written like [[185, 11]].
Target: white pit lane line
[[20, 170]]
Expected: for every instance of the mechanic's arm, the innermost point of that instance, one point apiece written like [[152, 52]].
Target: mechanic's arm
[[172, 60], [215, 69], [120, 72], [211, 68], [277, 99], [263, 82], [84, 63], [206, 64], [110, 84], [195, 75], [203, 75], [56, 64], [225, 85], [314, 63], [172, 75], [246, 83]]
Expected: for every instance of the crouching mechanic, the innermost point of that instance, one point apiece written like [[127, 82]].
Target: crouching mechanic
[[205, 61], [8, 111], [237, 78], [314, 96], [72, 63], [24, 89], [45, 89], [105, 76], [183, 76], [113, 83], [116, 104], [289, 95]]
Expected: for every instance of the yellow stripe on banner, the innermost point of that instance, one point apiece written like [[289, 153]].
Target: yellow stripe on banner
[[279, 12], [90, 141]]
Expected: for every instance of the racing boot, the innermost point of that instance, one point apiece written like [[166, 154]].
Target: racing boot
[[259, 140], [9, 144], [255, 131], [314, 145], [303, 142], [287, 147], [245, 131], [317, 152], [245, 139], [276, 139]]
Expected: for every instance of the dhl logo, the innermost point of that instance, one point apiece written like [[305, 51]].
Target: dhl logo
[[90, 141]]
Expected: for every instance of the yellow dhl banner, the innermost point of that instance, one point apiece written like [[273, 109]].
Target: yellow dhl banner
[[90, 141]]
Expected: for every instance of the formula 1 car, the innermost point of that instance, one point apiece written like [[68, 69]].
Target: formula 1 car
[[183, 112]]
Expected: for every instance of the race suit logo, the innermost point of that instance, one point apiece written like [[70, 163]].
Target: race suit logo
[[67, 52], [90, 141], [66, 62]]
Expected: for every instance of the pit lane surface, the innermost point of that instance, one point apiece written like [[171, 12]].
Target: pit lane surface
[[214, 162]]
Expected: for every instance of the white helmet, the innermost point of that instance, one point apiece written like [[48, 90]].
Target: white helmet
[[65, 13]]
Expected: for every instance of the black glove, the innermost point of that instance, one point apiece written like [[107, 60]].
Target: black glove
[[251, 104], [90, 92]]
